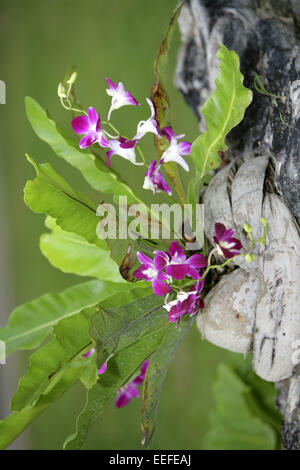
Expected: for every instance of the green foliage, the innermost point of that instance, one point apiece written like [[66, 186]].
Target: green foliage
[[49, 363], [12, 426], [244, 416], [30, 324], [156, 372], [120, 368], [52, 195], [71, 253], [90, 374], [113, 329], [224, 109]]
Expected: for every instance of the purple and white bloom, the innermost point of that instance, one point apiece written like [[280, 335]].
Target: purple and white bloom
[[186, 303], [120, 97], [154, 180], [89, 125], [151, 271], [227, 245], [130, 390], [150, 125], [175, 150], [178, 266], [124, 148]]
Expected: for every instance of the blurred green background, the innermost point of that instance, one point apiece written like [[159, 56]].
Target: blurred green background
[[118, 39]]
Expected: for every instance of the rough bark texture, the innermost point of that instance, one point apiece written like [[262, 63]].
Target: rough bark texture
[[266, 36]]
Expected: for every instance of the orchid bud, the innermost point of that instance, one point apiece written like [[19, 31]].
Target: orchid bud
[[249, 257], [61, 91], [72, 79], [247, 228], [262, 240]]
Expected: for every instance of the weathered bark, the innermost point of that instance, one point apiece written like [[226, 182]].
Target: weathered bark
[[266, 36]]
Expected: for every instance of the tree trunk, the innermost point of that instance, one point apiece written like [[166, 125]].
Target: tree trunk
[[266, 36]]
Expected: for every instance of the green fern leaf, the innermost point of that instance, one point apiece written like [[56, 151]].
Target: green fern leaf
[[224, 109]]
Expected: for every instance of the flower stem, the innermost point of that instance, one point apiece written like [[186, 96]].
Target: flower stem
[[69, 107]]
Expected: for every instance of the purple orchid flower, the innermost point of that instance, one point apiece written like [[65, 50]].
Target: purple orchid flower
[[124, 148], [226, 244], [186, 303], [154, 180], [151, 271], [120, 97], [175, 150], [90, 126], [130, 390], [178, 266], [150, 125]]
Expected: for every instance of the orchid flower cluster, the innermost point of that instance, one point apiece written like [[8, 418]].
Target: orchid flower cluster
[[169, 272], [167, 268], [90, 127]]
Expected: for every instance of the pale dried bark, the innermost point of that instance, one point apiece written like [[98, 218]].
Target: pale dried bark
[[266, 36]]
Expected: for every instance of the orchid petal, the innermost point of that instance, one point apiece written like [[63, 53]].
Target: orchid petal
[[109, 153], [141, 377], [144, 367], [122, 400], [219, 230], [130, 99], [193, 273], [80, 125], [228, 234], [227, 253], [168, 131], [177, 271], [89, 353], [238, 245], [154, 179], [143, 259], [184, 148], [128, 144], [86, 141], [152, 108], [139, 273], [176, 250], [172, 155], [132, 391], [102, 368], [111, 84], [103, 142], [160, 259], [159, 288], [197, 261], [93, 117], [162, 276]]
